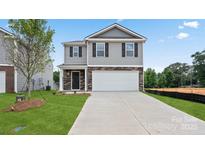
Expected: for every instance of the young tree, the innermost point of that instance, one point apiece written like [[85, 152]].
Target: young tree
[[199, 66], [169, 77], [29, 47], [150, 78], [161, 80], [56, 75]]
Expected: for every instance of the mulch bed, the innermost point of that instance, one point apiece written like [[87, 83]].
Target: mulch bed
[[78, 94], [24, 105], [71, 94]]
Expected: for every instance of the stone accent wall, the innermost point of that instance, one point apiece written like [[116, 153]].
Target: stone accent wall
[[9, 77], [82, 80], [67, 79], [140, 69]]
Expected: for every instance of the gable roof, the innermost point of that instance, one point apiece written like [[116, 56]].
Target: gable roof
[[76, 42], [116, 25], [5, 31]]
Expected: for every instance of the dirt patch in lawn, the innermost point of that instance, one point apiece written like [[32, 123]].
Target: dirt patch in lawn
[[24, 105]]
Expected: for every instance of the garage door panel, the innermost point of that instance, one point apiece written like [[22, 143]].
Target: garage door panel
[[115, 80]]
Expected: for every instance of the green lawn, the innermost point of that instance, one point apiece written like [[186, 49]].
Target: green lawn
[[192, 108], [55, 117]]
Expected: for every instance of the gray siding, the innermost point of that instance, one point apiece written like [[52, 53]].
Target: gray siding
[[115, 56], [41, 79], [46, 75], [75, 60], [3, 53], [114, 33], [21, 82]]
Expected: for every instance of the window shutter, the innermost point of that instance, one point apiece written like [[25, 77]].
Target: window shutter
[[94, 49], [71, 51], [123, 49], [80, 51], [136, 49], [106, 50]]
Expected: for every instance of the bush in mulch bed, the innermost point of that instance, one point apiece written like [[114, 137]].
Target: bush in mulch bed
[[24, 105]]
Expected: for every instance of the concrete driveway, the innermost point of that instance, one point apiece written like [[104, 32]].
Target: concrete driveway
[[132, 113]]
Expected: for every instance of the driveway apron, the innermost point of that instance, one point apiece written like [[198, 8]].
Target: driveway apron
[[126, 113]]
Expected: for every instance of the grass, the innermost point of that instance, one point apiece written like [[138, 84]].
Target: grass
[[193, 108], [56, 117]]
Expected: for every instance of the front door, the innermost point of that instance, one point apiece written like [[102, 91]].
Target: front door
[[75, 80]]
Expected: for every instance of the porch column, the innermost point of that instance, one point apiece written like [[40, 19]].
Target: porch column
[[86, 80], [61, 80], [15, 80]]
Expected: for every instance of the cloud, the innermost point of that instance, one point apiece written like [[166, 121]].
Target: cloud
[[170, 37], [181, 36], [192, 24], [120, 20], [161, 41], [180, 27]]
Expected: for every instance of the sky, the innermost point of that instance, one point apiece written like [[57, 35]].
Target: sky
[[169, 41]]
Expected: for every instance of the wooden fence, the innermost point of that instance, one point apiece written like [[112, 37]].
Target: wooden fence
[[186, 96]]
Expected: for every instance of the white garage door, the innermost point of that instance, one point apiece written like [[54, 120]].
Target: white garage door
[[2, 82], [115, 80]]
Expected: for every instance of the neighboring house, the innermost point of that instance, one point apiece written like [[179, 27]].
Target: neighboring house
[[108, 60], [12, 80]]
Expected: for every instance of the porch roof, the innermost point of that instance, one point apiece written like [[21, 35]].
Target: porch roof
[[72, 66]]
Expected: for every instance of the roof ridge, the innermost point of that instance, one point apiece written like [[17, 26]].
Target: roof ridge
[[117, 24]]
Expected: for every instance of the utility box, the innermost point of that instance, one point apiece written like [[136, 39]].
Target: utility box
[[20, 98]]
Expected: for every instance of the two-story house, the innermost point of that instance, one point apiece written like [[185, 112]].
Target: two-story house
[[108, 60], [12, 80]]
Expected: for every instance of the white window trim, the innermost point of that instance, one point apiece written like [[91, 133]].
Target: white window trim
[[103, 48], [76, 51], [129, 50]]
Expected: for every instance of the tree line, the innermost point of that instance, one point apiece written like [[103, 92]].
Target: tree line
[[178, 74]]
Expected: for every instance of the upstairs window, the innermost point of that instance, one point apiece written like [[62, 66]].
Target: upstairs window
[[75, 51], [100, 49], [129, 49]]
